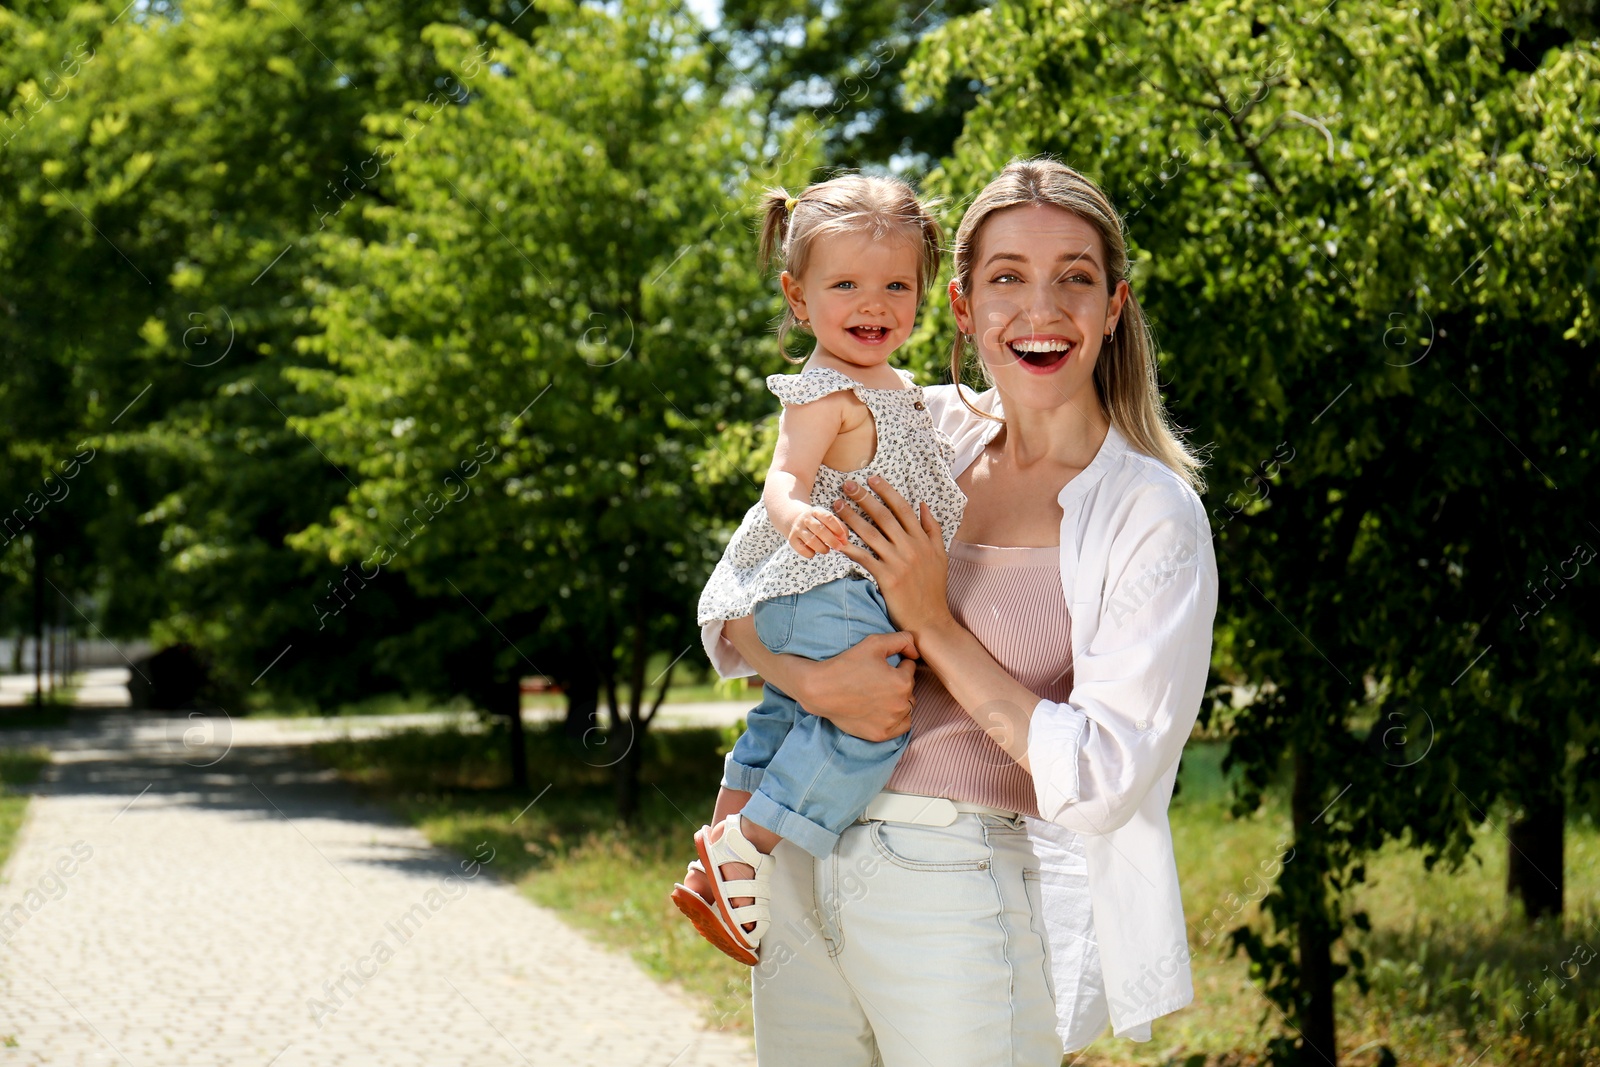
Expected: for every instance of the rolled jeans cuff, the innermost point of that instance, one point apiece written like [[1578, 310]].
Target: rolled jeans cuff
[[789, 825], [736, 775]]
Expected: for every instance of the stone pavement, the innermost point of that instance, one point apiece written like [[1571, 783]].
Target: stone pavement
[[172, 901]]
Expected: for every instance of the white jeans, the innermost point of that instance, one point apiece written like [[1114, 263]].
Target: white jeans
[[909, 946]]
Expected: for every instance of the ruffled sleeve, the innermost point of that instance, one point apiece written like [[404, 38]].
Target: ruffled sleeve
[[813, 383]]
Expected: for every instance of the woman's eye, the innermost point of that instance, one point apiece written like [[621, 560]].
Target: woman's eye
[[1006, 278], [1080, 279]]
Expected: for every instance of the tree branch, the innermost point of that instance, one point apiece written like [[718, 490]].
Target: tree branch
[[1236, 126]]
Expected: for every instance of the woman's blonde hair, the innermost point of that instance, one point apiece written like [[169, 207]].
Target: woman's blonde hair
[[851, 203], [1125, 373]]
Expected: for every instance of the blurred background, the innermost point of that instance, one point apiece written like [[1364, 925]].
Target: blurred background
[[403, 363]]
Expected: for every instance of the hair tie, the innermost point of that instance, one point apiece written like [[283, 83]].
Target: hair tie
[[788, 205]]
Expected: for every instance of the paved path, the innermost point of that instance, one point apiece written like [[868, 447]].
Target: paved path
[[255, 911]]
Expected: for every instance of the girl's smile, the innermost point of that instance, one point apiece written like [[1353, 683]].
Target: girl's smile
[[859, 293]]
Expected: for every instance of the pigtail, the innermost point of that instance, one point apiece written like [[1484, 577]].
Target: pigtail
[[777, 210], [774, 224]]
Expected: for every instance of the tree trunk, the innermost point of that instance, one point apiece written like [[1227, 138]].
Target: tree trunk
[[38, 621], [1536, 871], [507, 701], [583, 704], [629, 767], [1312, 934], [627, 771]]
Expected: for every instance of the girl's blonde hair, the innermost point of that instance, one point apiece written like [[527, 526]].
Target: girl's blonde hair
[[852, 203], [1125, 372]]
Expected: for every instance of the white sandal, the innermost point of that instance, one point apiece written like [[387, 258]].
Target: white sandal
[[708, 920], [734, 847]]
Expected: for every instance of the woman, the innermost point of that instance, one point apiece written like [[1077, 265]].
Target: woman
[[1015, 881]]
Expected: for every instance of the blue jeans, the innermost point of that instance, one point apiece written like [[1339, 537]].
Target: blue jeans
[[809, 778]]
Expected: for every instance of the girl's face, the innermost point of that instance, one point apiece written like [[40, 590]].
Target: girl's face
[[1038, 305], [860, 294]]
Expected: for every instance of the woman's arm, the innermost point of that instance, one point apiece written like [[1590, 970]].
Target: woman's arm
[[1137, 686], [856, 690], [996, 701], [911, 568]]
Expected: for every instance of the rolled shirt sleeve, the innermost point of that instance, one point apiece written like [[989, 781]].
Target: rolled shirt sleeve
[[725, 659], [1138, 678]]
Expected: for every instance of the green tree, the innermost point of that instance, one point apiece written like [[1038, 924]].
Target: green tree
[[840, 67], [531, 349], [1365, 239], [163, 179]]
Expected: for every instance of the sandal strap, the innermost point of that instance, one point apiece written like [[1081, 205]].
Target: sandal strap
[[734, 847]]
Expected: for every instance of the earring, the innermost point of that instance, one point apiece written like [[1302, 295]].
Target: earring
[[804, 324], [1109, 339]]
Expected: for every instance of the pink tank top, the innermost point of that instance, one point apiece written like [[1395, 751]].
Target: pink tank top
[[1011, 600]]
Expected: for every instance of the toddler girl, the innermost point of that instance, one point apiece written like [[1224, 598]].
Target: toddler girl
[[859, 255]]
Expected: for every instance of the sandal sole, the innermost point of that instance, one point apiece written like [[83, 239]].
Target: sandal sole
[[724, 914], [709, 924]]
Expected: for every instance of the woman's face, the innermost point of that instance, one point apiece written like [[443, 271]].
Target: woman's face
[[1038, 306]]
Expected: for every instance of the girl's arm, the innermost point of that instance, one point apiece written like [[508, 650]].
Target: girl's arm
[[805, 433], [856, 690]]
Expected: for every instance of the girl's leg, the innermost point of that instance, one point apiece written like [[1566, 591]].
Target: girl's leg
[[728, 802], [821, 779]]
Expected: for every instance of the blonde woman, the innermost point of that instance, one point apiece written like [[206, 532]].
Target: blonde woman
[[1013, 889]]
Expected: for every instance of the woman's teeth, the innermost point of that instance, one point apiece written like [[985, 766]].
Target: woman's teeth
[[1041, 353]]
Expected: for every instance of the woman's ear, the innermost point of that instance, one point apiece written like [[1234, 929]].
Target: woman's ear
[[961, 307], [1114, 306], [795, 294]]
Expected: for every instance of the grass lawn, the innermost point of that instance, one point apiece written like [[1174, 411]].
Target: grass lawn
[[401, 704], [18, 767], [1455, 975]]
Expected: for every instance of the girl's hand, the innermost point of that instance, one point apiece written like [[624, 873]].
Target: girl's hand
[[815, 532], [904, 554]]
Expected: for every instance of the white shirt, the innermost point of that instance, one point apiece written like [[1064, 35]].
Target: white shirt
[[1140, 580]]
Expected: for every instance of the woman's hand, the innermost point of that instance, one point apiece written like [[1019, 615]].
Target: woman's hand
[[860, 693], [907, 557], [856, 690]]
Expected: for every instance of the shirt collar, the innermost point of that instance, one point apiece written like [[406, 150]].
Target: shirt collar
[[1111, 450]]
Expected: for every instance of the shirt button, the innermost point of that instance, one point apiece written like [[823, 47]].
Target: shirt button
[[920, 406], [1142, 724]]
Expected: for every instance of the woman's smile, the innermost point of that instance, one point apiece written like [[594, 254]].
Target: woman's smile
[[1042, 353]]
